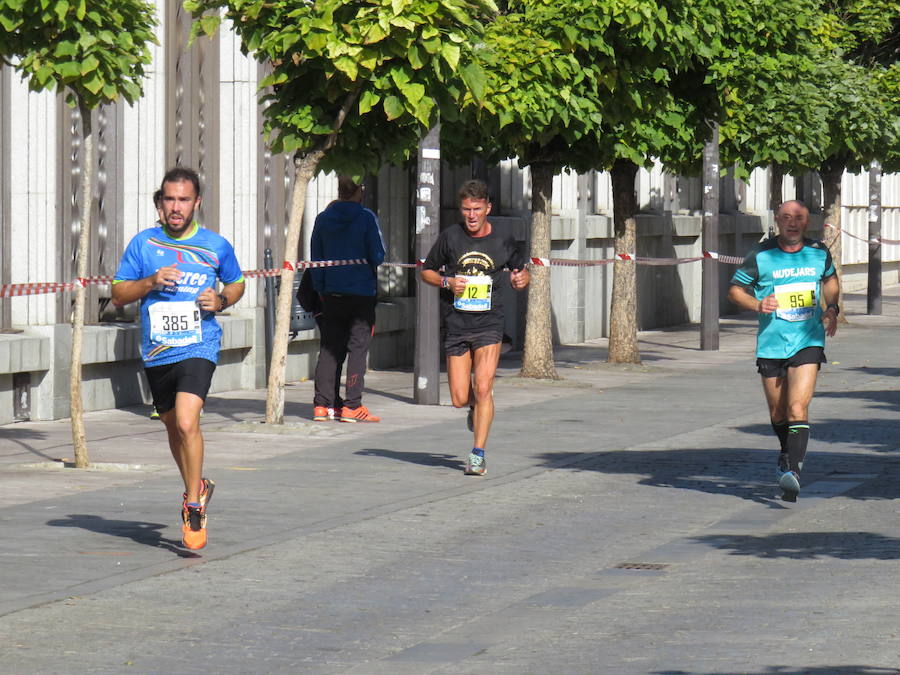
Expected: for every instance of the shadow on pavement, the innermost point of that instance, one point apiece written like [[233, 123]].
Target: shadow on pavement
[[142, 533], [403, 398], [788, 670], [807, 545], [878, 435], [885, 398], [21, 437], [739, 472], [423, 458], [878, 370], [714, 471], [239, 409]]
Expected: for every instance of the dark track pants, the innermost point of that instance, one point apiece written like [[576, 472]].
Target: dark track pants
[[347, 325]]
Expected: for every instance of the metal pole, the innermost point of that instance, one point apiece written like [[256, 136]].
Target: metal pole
[[426, 372], [270, 307], [709, 303], [873, 292]]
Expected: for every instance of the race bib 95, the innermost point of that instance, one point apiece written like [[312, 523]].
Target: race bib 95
[[796, 302]]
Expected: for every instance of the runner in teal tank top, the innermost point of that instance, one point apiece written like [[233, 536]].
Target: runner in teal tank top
[[786, 280]]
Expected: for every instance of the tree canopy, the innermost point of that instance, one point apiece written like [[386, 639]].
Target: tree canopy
[[798, 107], [94, 54], [97, 50], [590, 69], [353, 85], [384, 68]]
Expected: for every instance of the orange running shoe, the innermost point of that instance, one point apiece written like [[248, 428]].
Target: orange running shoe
[[206, 493], [193, 531], [360, 414], [322, 414]]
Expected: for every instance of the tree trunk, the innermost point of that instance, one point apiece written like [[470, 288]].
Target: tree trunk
[[304, 170], [79, 442], [623, 345], [831, 172], [537, 360], [776, 186]]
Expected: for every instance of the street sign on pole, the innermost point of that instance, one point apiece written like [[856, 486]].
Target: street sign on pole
[[873, 292], [426, 370], [709, 303]]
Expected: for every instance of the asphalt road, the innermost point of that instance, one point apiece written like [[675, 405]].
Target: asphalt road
[[629, 523]]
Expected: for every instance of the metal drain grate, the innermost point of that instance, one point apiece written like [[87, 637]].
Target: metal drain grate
[[640, 566]]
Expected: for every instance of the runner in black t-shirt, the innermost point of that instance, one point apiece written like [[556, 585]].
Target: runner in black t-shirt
[[473, 256]]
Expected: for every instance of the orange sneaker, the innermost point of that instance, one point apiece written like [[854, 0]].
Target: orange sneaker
[[206, 492], [321, 414], [193, 531], [360, 414]]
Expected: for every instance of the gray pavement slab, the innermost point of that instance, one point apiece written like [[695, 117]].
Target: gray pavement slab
[[629, 523]]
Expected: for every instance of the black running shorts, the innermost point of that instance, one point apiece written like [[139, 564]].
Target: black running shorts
[[457, 344], [192, 376], [779, 367]]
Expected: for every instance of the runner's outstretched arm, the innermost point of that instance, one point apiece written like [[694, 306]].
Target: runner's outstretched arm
[[831, 290], [742, 297]]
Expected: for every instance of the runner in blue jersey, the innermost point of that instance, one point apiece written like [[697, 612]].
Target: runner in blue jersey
[[786, 280], [173, 269]]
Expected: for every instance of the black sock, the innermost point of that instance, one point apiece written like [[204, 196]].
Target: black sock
[[797, 439], [781, 430]]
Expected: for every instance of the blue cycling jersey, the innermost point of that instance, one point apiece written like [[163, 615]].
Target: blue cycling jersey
[[796, 280], [173, 328]]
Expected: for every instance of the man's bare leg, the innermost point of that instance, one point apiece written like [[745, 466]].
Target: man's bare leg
[[485, 368], [186, 441]]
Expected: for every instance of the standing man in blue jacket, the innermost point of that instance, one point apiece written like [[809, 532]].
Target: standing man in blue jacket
[[345, 230]]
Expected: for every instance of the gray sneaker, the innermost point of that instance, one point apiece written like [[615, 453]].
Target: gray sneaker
[[783, 464], [476, 464], [789, 482]]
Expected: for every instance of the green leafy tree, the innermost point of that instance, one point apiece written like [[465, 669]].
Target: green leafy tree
[[580, 97], [888, 80], [862, 99], [535, 104], [829, 105], [689, 96], [94, 51], [353, 85]]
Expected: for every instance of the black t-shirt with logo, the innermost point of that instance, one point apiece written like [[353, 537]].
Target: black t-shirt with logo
[[459, 253]]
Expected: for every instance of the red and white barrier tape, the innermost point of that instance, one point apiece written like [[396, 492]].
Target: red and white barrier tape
[[640, 260], [727, 259], [39, 288], [873, 240]]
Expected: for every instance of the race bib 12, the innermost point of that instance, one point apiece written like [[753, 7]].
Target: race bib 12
[[476, 296]]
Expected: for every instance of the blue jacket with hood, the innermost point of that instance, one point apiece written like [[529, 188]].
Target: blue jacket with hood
[[346, 230]]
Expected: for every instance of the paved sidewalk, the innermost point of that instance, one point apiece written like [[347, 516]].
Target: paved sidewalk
[[628, 524]]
